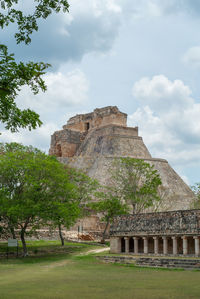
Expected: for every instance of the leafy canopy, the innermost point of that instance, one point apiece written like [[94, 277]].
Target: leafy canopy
[[14, 75], [34, 189], [136, 182], [196, 190], [108, 205], [27, 23]]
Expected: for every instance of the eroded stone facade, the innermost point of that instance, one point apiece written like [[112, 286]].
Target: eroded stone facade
[[92, 141], [173, 233], [66, 142]]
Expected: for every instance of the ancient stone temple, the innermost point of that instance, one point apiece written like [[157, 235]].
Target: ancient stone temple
[[92, 141], [164, 233]]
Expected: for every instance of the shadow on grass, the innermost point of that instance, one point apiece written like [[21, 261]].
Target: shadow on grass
[[42, 252]]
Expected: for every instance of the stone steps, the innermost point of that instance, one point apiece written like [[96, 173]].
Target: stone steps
[[169, 263], [153, 262]]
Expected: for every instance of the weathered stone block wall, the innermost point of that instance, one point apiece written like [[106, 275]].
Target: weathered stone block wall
[[98, 118], [113, 141], [89, 224], [164, 223], [78, 122], [65, 143]]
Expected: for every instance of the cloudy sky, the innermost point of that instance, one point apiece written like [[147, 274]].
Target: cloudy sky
[[141, 55]]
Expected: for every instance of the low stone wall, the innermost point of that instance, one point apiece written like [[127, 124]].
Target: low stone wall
[[45, 234], [153, 262]]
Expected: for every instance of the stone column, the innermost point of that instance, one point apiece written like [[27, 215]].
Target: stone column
[[135, 245], [197, 248], [175, 251], [165, 245], [155, 245], [126, 244], [185, 245], [145, 244], [115, 245], [119, 245]]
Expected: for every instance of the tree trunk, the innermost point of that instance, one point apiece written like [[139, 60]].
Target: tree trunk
[[25, 251], [61, 236], [104, 232], [134, 208], [12, 232]]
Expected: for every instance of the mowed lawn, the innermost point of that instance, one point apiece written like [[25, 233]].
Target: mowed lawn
[[55, 272]]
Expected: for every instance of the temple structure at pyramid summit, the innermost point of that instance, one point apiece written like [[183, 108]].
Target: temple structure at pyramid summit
[[92, 141]]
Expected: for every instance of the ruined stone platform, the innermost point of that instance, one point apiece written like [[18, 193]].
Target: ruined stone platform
[[157, 262]]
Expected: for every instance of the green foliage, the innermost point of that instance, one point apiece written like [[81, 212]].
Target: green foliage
[[63, 214], [14, 75], [27, 24], [34, 189], [137, 182], [109, 205], [196, 190], [85, 187]]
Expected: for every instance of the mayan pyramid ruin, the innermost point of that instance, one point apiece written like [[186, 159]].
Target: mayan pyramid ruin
[[92, 141]]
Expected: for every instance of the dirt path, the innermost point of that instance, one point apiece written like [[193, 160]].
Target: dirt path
[[95, 251], [65, 262]]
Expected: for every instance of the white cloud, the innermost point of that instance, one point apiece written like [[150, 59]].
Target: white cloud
[[192, 57], [90, 26], [161, 93], [113, 6], [94, 7], [63, 90], [168, 120]]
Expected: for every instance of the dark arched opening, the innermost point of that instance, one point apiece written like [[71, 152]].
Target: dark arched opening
[[150, 245], [140, 245], [131, 245], [191, 245], [87, 126], [170, 246], [122, 245], [179, 245], [58, 150]]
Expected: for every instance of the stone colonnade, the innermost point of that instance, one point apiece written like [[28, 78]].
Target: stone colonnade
[[173, 245]]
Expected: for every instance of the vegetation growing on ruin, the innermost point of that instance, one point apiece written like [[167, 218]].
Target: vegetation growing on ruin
[[109, 205], [136, 182], [196, 190]]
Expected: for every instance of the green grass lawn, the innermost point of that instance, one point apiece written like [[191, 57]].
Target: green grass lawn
[[55, 272]]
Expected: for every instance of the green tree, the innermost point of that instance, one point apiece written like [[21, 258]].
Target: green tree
[[109, 205], [14, 75], [32, 187], [62, 212], [137, 182], [196, 190], [85, 187], [64, 215]]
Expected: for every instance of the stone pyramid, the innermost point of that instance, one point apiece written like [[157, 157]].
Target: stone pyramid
[[92, 141]]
